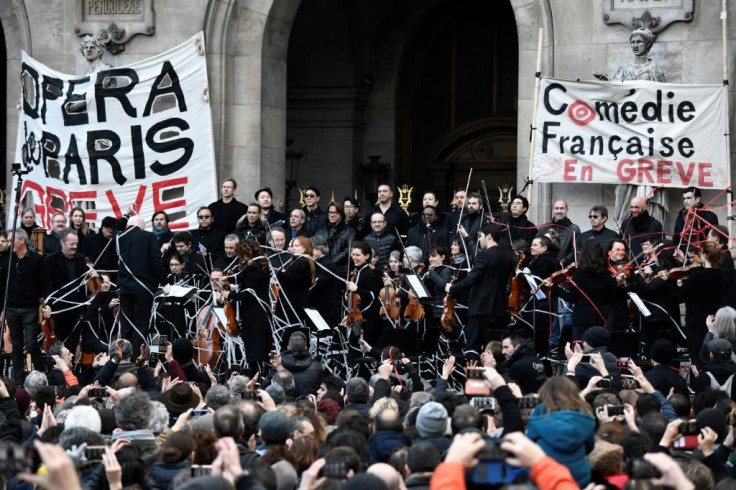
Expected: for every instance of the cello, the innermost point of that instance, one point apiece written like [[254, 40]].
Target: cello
[[230, 313], [208, 343], [517, 290]]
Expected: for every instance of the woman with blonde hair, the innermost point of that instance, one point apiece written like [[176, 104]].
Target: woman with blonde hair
[[563, 425]]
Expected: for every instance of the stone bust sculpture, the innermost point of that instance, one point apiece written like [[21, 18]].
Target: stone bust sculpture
[[92, 48], [643, 67]]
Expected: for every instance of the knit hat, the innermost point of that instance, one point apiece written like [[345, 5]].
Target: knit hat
[[596, 337], [126, 349], [267, 190], [720, 348], [276, 391], [23, 399], [274, 427], [715, 419], [182, 350], [662, 351], [180, 398], [330, 408], [432, 420]]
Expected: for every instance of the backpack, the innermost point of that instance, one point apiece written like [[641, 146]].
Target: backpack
[[726, 386]]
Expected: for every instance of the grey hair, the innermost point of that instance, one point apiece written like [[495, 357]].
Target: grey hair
[[159, 417], [134, 411], [238, 385], [724, 325], [301, 212], [232, 237], [83, 416], [21, 233], [320, 244], [34, 381], [415, 254], [217, 396], [419, 398]]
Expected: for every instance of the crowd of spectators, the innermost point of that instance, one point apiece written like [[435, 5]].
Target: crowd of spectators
[[600, 422]]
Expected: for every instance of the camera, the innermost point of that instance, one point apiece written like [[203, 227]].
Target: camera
[[197, 413], [157, 351], [251, 395], [585, 359], [475, 384], [483, 403], [201, 470], [629, 384], [641, 469], [604, 383], [527, 401], [688, 428], [48, 361], [93, 454], [623, 362], [338, 471], [98, 393], [612, 410], [492, 468]]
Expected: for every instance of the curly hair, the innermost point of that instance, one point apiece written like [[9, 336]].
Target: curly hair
[[134, 411], [247, 250]]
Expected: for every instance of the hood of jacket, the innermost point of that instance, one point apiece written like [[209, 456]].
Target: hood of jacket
[[564, 430], [383, 442], [296, 361]]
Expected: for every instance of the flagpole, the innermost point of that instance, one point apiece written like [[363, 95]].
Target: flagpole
[[729, 192], [538, 76]]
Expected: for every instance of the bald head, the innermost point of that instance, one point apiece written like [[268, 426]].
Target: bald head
[[637, 205], [387, 474], [128, 380], [138, 221]]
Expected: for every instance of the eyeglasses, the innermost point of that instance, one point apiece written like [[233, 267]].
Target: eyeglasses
[[349, 206], [204, 217], [310, 195], [594, 216]]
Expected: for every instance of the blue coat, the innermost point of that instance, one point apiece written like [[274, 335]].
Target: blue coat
[[566, 437]]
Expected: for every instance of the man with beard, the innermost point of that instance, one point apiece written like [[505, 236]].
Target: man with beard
[[454, 216], [51, 241], [693, 221], [69, 296], [4, 246], [566, 229], [381, 240], [520, 228], [207, 235], [227, 210], [396, 218], [265, 201], [525, 368], [160, 223], [471, 223], [639, 226]]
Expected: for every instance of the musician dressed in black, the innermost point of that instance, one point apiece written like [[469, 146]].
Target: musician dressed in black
[[67, 271], [438, 275], [29, 282], [366, 282], [296, 277]]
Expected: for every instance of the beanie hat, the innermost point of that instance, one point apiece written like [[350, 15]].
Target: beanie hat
[[596, 337], [24, 400], [182, 350], [276, 391], [274, 427], [330, 408], [286, 477], [432, 420], [715, 419], [662, 351]]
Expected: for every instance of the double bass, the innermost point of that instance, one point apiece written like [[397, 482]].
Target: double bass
[[516, 296], [208, 344]]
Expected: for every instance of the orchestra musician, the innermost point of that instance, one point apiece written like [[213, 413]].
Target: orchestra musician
[[295, 278], [367, 284]]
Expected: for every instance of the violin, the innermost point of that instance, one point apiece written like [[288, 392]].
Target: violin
[[354, 317], [447, 320], [390, 303], [414, 311], [561, 275], [517, 290], [684, 271], [230, 313], [94, 284], [48, 327]]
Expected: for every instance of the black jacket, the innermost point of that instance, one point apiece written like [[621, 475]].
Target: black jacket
[[638, 229], [324, 295], [700, 225], [487, 283], [314, 220], [526, 369], [426, 236], [384, 244], [566, 229], [599, 288], [721, 370], [64, 274], [396, 219], [226, 215], [664, 378], [29, 280], [306, 371], [339, 237], [520, 227], [212, 239], [141, 268], [602, 236]]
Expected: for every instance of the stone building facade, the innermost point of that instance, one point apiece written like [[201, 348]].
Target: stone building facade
[[434, 87]]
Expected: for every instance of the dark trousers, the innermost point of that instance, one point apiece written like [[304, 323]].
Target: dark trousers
[[476, 329], [23, 322], [68, 329], [135, 317]]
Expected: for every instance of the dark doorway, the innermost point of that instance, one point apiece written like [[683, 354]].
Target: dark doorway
[[458, 99]]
